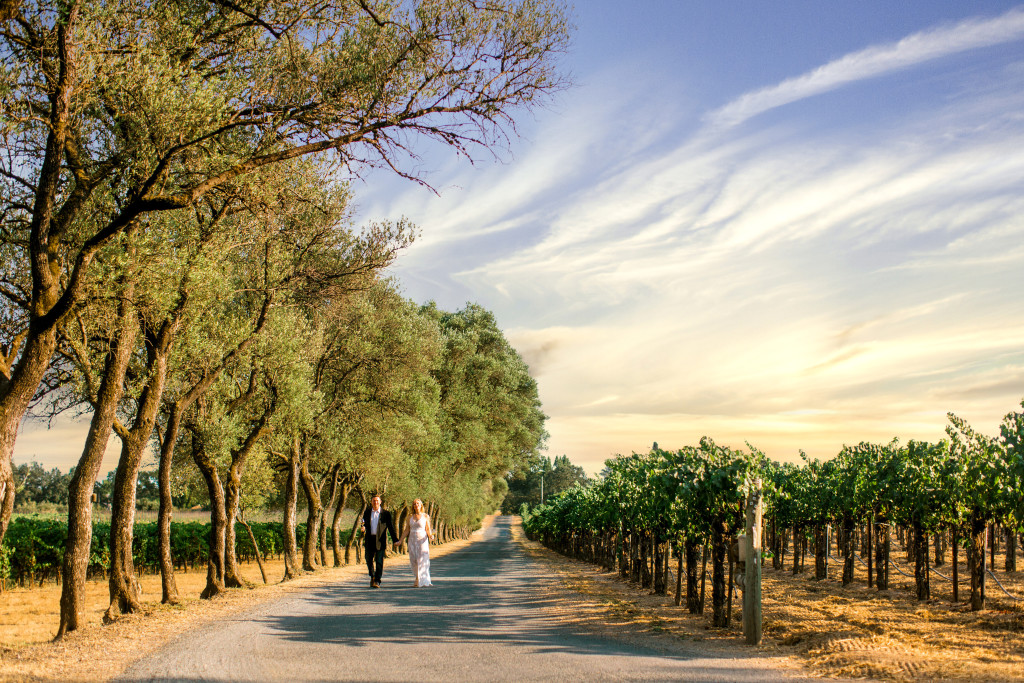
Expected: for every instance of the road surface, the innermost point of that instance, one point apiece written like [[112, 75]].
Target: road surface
[[482, 620]]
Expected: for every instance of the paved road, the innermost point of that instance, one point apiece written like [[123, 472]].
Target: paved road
[[481, 621]]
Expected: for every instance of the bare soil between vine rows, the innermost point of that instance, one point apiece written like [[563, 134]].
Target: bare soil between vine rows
[[831, 631]]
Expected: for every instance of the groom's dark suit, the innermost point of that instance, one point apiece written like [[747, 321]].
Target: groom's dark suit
[[376, 544]]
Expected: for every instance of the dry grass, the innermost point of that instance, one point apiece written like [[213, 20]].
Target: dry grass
[[95, 653], [854, 632], [29, 616], [861, 632]]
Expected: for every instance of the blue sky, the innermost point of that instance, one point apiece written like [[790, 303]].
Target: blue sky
[[795, 224]]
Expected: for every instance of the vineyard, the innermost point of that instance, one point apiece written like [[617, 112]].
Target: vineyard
[[962, 494], [34, 548]]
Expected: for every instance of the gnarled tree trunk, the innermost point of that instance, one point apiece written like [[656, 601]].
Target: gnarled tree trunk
[[314, 513], [125, 594], [355, 528], [233, 493], [291, 493], [347, 483], [79, 538], [218, 519]]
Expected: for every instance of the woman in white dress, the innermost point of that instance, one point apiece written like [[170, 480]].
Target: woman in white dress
[[420, 534]]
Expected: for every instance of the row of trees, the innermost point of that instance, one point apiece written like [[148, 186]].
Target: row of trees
[[532, 482], [35, 485], [177, 261], [692, 501]]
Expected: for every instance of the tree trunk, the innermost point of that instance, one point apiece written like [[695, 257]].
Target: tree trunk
[[402, 516], [1011, 551], [870, 545], [796, 551], [339, 508], [777, 545], [882, 543], [169, 587], [645, 567], [335, 479], [624, 554], [679, 576], [955, 548], [635, 544], [79, 537], [125, 593], [218, 519], [920, 541], [19, 382], [783, 546], [314, 513], [703, 573], [660, 579], [233, 494], [175, 412], [255, 546], [291, 494], [355, 527], [692, 553], [719, 615], [848, 553]]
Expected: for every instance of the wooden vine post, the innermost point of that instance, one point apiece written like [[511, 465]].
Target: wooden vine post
[[752, 570]]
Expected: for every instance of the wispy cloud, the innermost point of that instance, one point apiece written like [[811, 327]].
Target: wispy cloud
[[875, 61], [795, 287]]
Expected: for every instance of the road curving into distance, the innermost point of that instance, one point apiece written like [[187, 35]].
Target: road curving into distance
[[482, 620]]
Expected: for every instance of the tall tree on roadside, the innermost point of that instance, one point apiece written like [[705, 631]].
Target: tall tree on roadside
[[112, 111]]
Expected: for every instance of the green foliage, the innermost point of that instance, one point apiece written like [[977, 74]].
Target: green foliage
[[33, 484], [34, 547], [540, 475], [920, 484]]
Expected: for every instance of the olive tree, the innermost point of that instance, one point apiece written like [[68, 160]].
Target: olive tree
[[113, 111]]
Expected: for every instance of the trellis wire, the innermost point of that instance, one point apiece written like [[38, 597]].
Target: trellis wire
[[933, 571]]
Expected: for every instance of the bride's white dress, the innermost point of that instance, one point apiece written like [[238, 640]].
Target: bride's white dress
[[419, 549]]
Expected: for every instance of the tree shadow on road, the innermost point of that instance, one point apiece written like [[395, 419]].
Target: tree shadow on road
[[481, 594]]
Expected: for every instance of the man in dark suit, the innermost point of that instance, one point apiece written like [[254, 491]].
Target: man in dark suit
[[377, 524]]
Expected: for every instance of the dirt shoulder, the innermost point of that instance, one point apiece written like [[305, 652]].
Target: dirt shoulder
[[99, 653], [820, 628]]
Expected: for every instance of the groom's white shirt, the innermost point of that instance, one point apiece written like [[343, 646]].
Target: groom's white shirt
[[374, 516]]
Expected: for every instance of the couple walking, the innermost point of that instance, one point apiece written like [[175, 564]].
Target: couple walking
[[377, 524]]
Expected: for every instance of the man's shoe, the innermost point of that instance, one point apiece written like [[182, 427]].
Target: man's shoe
[[375, 585]]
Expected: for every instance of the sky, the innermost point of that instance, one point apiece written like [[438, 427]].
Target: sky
[[791, 224], [798, 225]]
